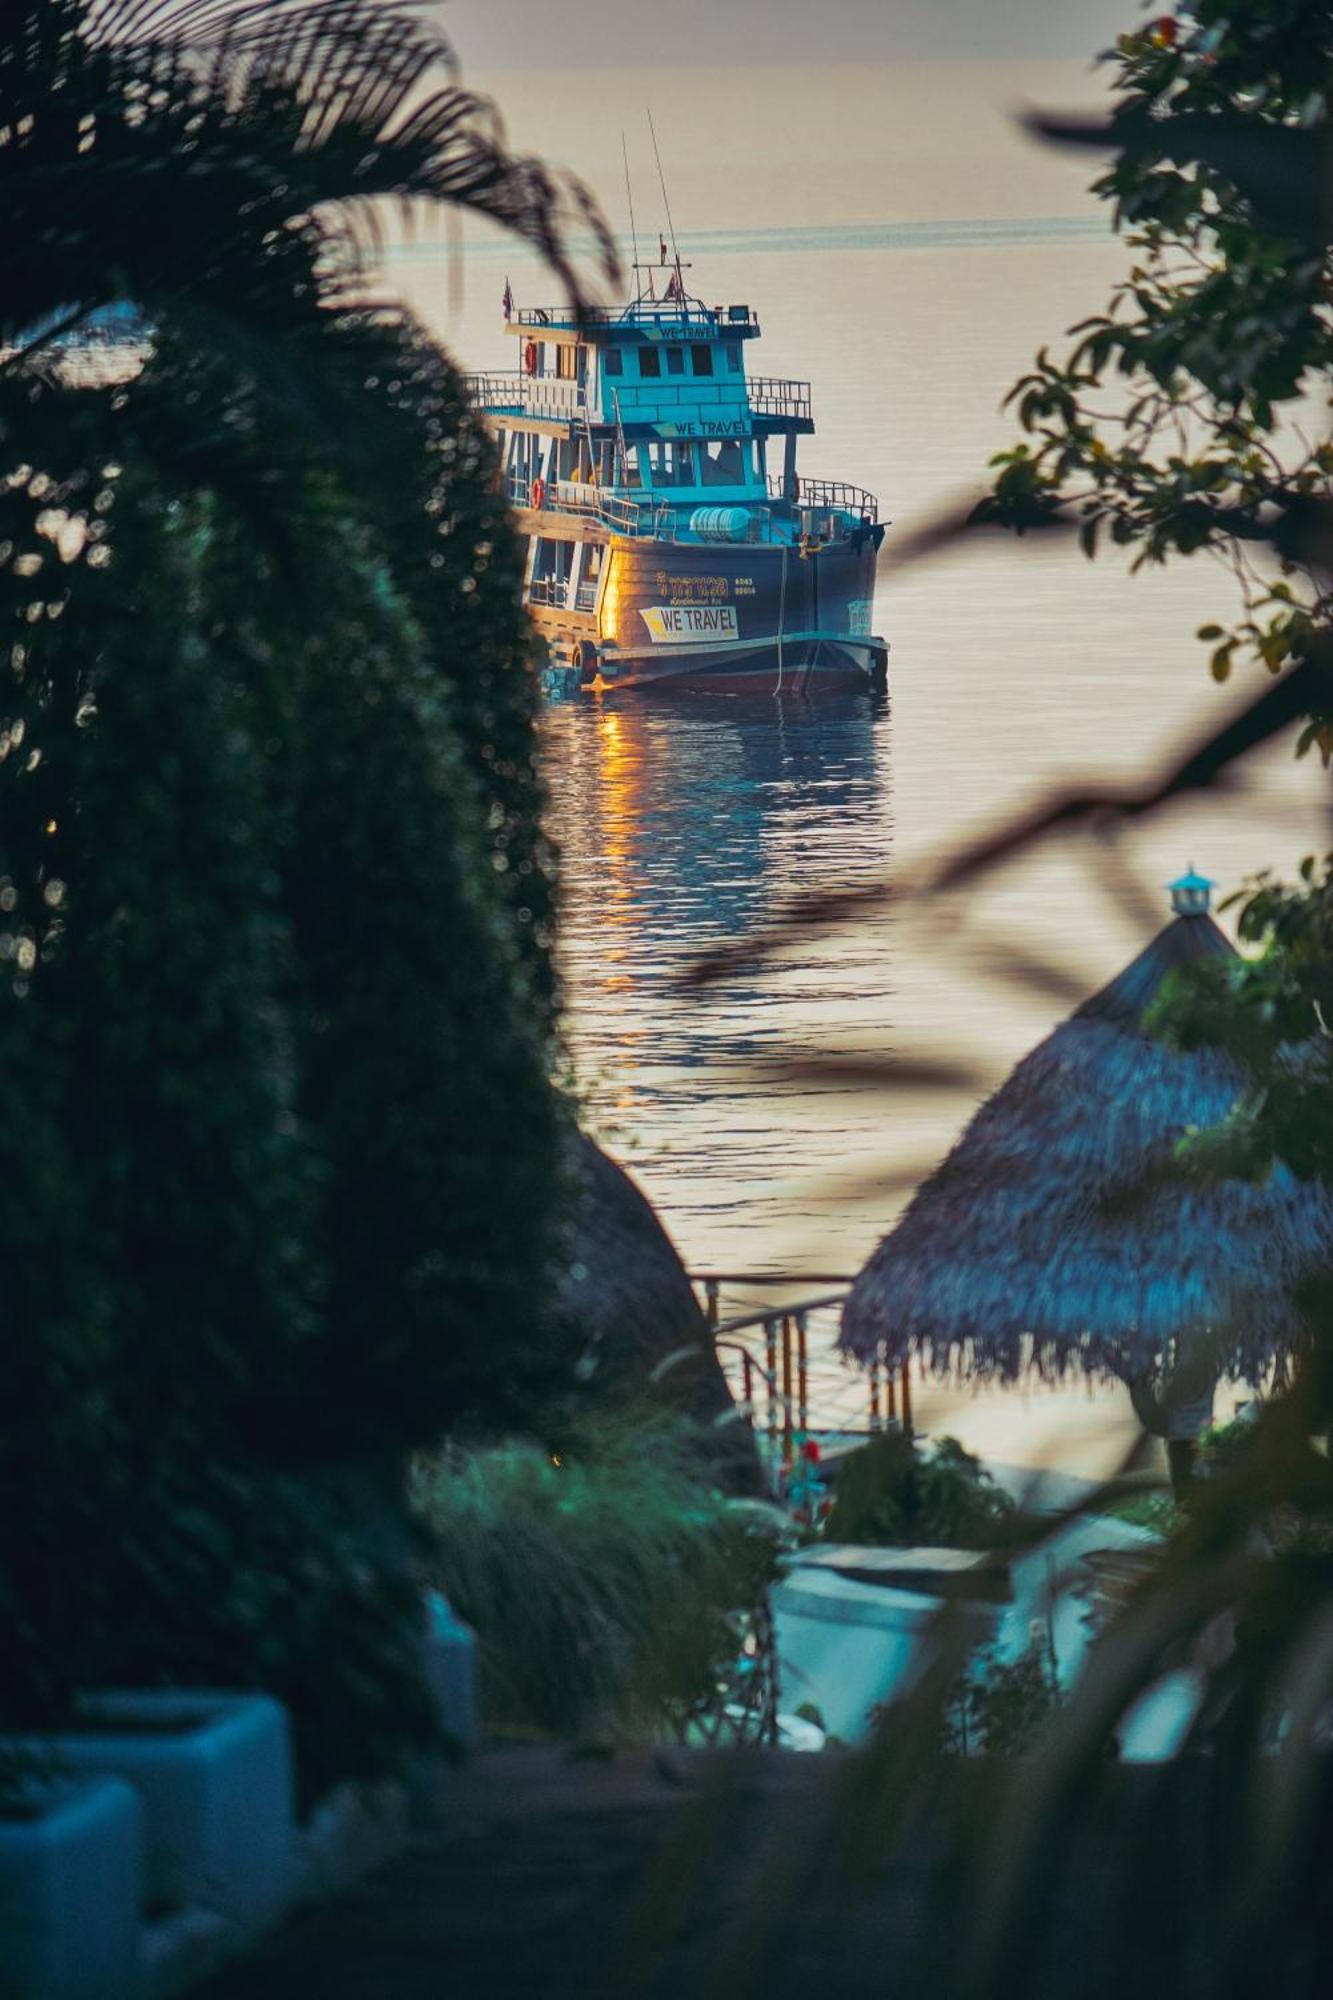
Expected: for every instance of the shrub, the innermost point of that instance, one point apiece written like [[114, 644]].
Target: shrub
[[307, 1587], [277, 1003], [892, 1492], [604, 1579], [1001, 1710]]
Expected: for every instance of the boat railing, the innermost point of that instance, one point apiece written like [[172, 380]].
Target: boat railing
[[585, 598], [514, 390], [564, 319], [773, 396], [645, 517], [594, 503], [670, 522], [827, 493], [500, 390], [553, 590]]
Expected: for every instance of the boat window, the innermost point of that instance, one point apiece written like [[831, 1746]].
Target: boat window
[[722, 464], [672, 464], [565, 363], [675, 360], [611, 361], [701, 359], [734, 356], [634, 455], [650, 361]]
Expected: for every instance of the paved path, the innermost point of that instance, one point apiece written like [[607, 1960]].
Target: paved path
[[531, 1884]]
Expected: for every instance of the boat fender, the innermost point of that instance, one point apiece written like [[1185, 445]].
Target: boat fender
[[539, 493], [585, 658], [530, 357]]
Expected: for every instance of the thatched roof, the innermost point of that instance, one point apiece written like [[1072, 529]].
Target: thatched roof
[[1016, 1249], [627, 1290]]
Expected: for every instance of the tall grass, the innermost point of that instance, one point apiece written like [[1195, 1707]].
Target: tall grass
[[607, 1581]]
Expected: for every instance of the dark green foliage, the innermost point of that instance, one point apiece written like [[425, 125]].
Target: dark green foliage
[[1002, 1710], [282, 1158], [606, 1581], [893, 1493], [236, 1575]]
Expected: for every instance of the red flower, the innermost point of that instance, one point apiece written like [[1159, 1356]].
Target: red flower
[[810, 1451], [1163, 31]]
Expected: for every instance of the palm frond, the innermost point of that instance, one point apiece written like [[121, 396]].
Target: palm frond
[[365, 78], [154, 149]]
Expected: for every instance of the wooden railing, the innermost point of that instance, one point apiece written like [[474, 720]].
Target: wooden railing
[[790, 1385]]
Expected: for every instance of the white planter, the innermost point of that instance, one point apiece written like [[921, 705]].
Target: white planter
[[844, 1645], [71, 1889], [214, 1772]]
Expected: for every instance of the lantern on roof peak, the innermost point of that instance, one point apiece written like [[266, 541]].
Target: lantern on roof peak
[[1191, 893]]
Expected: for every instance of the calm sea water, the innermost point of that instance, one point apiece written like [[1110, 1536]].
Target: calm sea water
[[907, 256]]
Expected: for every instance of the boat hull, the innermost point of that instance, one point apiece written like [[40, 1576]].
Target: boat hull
[[735, 616]]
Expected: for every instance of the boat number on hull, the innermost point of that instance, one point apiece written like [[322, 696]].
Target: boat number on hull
[[667, 622]]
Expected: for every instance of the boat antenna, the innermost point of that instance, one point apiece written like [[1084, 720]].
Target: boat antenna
[[629, 196], [671, 227]]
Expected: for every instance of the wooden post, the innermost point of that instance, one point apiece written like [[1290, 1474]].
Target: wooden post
[[711, 1289], [747, 1382], [802, 1376], [771, 1370], [874, 1397], [907, 1399], [890, 1395], [786, 1390]]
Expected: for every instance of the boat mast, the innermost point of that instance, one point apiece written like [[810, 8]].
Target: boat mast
[[671, 227], [629, 197]]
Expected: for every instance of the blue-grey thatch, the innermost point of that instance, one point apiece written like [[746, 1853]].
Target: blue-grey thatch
[[1049, 1237]]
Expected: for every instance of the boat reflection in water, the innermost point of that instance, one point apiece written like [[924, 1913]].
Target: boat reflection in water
[[683, 823]]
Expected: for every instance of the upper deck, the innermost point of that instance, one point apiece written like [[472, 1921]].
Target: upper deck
[[657, 368], [691, 319], [642, 421]]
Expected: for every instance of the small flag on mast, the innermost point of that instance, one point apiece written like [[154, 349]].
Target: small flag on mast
[[661, 242], [508, 301]]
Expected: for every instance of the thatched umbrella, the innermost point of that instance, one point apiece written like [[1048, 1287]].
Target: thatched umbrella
[[644, 1335], [1049, 1237]]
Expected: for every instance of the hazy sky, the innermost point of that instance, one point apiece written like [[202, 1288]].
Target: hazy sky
[[615, 34]]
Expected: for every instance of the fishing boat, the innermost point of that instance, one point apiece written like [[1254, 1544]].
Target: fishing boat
[[671, 537]]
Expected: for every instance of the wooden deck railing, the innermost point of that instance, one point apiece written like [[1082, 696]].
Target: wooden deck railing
[[784, 1370]]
